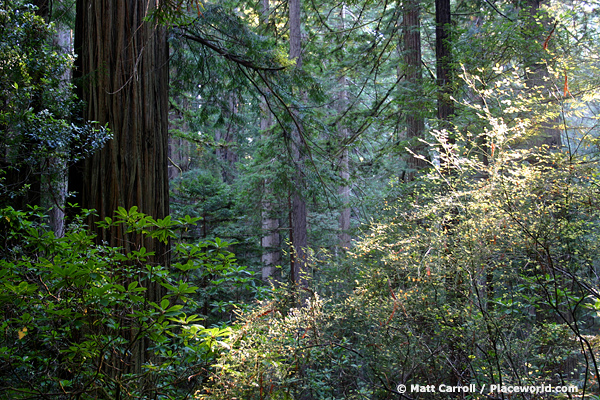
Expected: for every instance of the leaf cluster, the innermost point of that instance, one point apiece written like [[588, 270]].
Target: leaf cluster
[[38, 109], [85, 321]]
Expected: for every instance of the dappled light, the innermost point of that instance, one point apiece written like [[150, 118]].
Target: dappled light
[[253, 200]]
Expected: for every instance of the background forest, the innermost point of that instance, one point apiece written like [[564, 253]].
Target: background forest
[[298, 199]]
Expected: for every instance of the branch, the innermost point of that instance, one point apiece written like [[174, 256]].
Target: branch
[[498, 11], [232, 57]]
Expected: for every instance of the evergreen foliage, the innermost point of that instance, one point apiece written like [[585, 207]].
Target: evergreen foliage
[[482, 270], [38, 112]]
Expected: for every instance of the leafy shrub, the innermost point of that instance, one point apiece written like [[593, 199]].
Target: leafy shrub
[[38, 107], [83, 320], [484, 271]]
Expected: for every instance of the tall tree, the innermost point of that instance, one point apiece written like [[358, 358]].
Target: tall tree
[[443, 54], [415, 121], [270, 240], [344, 187], [123, 78], [123, 71], [224, 136], [540, 30], [298, 213], [56, 193]]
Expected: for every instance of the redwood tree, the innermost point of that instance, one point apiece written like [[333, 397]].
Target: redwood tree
[[415, 121], [298, 213], [443, 55], [123, 79]]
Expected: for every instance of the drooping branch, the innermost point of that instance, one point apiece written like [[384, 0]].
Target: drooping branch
[[228, 55]]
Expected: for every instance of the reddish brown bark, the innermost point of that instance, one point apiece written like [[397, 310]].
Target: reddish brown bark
[[415, 121], [123, 79], [298, 212]]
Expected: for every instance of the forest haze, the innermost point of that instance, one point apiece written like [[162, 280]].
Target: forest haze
[[299, 200]]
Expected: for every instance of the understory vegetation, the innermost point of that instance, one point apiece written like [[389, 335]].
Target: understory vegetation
[[487, 275], [467, 253]]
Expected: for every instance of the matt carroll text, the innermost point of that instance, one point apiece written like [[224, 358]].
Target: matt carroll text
[[415, 388], [471, 388], [442, 388]]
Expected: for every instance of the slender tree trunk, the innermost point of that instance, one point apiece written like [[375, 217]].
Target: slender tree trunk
[[179, 157], [270, 241], [415, 121], [537, 77], [180, 153], [225, 138], [444, 72], [344, 188], [443, 54], [56, 193], [180, 150], [298, 213]]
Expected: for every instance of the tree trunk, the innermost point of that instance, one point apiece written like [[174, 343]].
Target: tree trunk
[[123, 68], [443, 54], [270, 240], [298, 213], [344, 188], [123, 63], [537, 77], [225, 139], [271, 256], [180, 150], [415, 121], [56, 193]]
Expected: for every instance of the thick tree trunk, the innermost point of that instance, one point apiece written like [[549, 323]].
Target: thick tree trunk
[[415, 121], [123, 66], [123, 79], [298, 213]]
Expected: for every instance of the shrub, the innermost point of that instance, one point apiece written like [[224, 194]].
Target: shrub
[[80, 320]]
